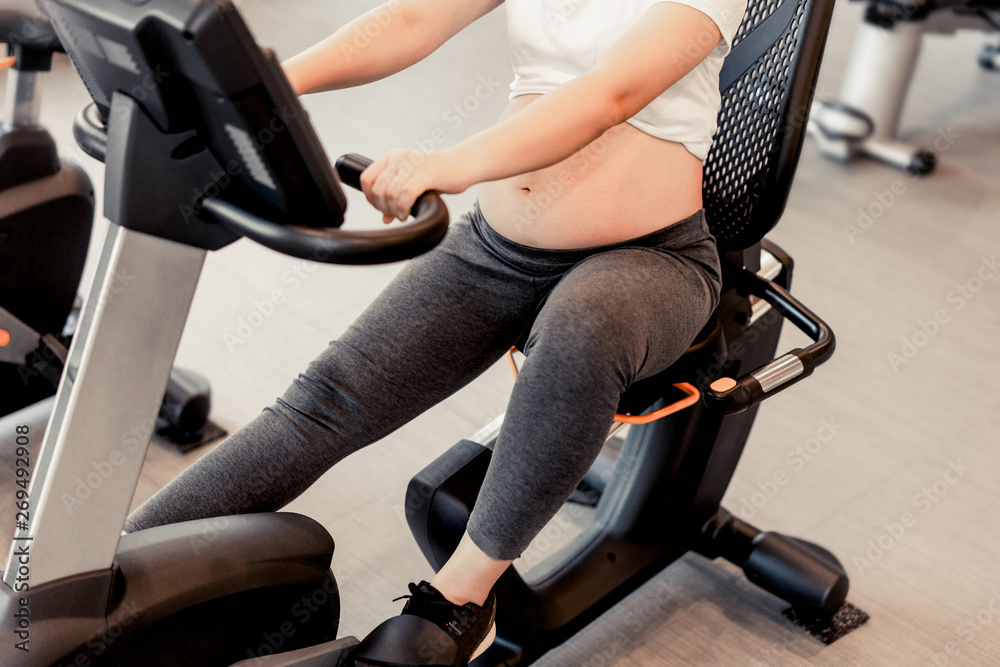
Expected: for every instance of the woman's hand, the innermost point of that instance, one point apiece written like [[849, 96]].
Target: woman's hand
[[393, 183]]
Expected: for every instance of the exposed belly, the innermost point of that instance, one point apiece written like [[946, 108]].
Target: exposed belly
[[624, 185]]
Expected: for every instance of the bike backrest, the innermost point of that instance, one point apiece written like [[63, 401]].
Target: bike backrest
[[767, 85]]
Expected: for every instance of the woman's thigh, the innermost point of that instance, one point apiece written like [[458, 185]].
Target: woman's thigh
[[637, 309], [442, 321]]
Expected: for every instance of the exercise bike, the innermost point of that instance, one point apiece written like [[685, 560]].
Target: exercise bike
[[46, 214], [865, 120], [226, 123]]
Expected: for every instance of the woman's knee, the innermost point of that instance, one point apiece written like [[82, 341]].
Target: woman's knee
[[592, 332]]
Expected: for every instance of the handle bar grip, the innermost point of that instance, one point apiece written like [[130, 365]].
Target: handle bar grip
[[335, 246], [349, 168], [730, 396]]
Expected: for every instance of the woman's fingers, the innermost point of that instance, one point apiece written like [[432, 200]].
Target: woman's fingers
[[368, 179], [393, 183]]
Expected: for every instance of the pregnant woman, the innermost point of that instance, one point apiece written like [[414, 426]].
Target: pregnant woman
[[588, 246]]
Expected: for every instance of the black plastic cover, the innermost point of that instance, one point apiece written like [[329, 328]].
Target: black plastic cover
[[767, 84], [192, 65]]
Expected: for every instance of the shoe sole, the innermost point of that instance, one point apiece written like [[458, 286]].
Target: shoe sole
[[490, 637]]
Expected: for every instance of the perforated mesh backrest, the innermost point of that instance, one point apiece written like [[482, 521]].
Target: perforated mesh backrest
[[767, 86]]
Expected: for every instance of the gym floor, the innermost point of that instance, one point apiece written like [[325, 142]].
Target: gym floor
[[888, 456]]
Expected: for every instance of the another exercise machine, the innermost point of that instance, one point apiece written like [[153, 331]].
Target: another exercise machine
[[46, 214], [46, 217], [865, 119], [225, 123]]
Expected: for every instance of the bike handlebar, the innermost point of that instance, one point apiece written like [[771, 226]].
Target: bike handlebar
[[731, 396], [336, 246]]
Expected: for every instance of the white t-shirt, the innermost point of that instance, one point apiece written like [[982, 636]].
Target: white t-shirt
[[553, 41]]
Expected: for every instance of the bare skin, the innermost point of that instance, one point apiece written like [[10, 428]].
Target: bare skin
[[622, 186]]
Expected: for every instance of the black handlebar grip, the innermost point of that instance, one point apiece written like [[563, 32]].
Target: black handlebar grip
[[349, 168], [338, 246]]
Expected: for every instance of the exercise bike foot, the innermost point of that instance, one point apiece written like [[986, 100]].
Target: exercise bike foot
[[828, 629], [800, 572], [922, 162]]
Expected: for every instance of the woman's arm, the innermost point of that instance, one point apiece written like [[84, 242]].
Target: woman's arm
[[381, 42], [670, 41]]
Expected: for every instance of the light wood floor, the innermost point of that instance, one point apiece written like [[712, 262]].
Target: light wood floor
[[930, 588]]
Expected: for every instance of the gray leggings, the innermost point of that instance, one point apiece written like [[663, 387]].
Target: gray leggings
[[593, 321]]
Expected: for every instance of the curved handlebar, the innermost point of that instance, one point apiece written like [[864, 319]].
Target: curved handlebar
[[730, 396], [336, 246], [317, 243]]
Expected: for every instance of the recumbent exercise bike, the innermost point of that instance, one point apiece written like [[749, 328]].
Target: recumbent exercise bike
[[205, 592]]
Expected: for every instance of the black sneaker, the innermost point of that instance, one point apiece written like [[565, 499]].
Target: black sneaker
[[469, 624]]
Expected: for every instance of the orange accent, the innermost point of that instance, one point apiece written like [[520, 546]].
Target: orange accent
[[723, 384], [4, 337], [7, 62], [510, 361], [693, 395]]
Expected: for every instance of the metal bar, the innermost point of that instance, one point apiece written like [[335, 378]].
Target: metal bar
[[24, 98], [770, 268], [106, 405], [488, 433], [778, 372]]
